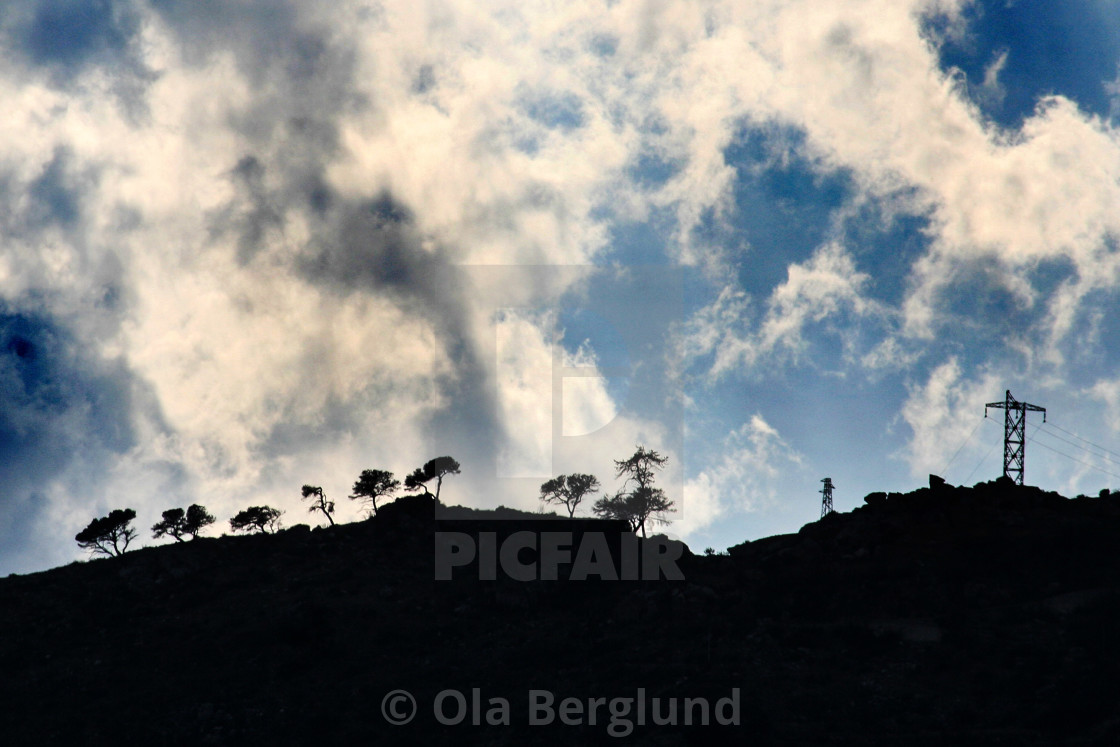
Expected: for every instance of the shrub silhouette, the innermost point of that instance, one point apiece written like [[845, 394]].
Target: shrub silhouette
[[265, 519], [108, 535], [569, 490], [373, 484], [177, 523], [435, 469], [321, 503]]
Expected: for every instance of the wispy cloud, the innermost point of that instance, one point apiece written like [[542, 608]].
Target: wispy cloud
[[942, 413], [746, 477], [827, 286]]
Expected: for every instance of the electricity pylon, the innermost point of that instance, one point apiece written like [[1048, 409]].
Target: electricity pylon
[[1014, 434], [826, 502]]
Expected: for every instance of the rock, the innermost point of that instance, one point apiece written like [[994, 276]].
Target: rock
[[875, 499]]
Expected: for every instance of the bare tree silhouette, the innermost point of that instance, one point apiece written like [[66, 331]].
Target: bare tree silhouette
[[321, 503]]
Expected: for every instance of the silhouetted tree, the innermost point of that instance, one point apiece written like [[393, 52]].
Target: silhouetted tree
[[435, 469], [171, 525], [108, 535], [373, 484], [198, 518], [640, 467], [178, 523], [262, 518], [615, 507], [321, 503], [639, 507], [644, 503], [569, 490]]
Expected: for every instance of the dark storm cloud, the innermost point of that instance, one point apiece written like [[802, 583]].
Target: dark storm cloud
[[260, 33], [253, 217], [56, 194], [54, 197], [68, 35], [302, 79], [295, 67], [63, 416], [303, 83], [373, 247], [65, 409], [66, 38]]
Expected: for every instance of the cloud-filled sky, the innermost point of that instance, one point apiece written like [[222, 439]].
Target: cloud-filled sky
[[246, 246]]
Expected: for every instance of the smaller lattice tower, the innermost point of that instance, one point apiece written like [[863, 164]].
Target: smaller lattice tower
[[826, 500]]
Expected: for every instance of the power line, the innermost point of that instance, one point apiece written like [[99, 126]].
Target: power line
[[984, 459], [1080, 438], [1067, 456], [1019, 408], [1079, 446], [964, 443]]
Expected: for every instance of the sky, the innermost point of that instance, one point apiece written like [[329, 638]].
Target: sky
[[247, 246]]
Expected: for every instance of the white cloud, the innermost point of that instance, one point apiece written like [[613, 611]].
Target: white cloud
[[591, 432], [889, 355], [1112, 88], [587, 406], [824, 287], [943, 414], [524, 379], [745, 478], [1108, 392], [992, 90], [813, 291]]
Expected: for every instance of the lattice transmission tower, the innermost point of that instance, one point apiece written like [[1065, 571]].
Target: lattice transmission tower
[[1014, 434], [826, 500]]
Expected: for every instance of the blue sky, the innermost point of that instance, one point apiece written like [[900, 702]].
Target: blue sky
[[245, 247]]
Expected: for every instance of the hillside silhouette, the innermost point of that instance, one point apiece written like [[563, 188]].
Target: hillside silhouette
[[948, 615]]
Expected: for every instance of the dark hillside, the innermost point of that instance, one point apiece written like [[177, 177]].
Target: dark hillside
[[981, 615]]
